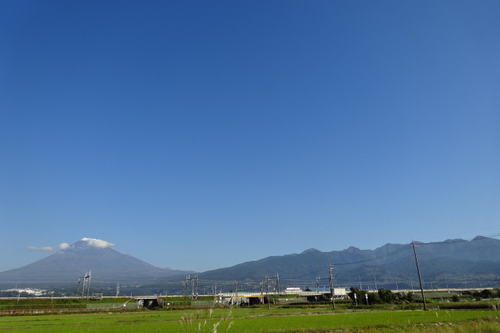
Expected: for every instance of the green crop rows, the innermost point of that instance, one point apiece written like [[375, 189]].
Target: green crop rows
[[254, 320]]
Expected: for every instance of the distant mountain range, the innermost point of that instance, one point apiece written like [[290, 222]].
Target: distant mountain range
[[451, 263], [71, 263]]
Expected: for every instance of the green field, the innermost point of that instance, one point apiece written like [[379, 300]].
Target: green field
[[259, 320]]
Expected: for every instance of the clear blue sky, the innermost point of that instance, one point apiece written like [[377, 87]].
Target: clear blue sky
[[202, 134]]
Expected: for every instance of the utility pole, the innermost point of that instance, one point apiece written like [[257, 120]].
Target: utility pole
[[88, 287], [185, 285], [84, 284], [446, 282], [263, 290], [419, 276], [330, 280], [411, 283], [267, 291], [77, 287], [214, 290], [196, 286]]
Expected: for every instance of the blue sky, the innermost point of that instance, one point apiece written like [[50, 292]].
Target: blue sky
[[202, 134]]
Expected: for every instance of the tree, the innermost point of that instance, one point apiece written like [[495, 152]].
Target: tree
[[405, 297], [486, 293], [386, 296], [374, 298], [361, 295]]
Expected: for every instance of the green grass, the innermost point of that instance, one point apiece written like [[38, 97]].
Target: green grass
[[256, 320]]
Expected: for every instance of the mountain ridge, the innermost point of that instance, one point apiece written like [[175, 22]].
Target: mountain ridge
[[387, 265]]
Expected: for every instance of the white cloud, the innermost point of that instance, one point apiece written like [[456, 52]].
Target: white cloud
[[99, 243], [63, 246], [43, 249]]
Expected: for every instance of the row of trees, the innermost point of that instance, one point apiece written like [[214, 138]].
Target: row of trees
[[359, 296], [486, 293], [387, 296]]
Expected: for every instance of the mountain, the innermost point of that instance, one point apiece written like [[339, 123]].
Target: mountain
[[453, 263], [450, 263], [72, 262]]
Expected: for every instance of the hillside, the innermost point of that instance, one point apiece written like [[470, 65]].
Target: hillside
[[452, 262], [69, 264]]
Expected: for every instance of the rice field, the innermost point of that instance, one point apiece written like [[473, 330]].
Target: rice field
[[258, 320]]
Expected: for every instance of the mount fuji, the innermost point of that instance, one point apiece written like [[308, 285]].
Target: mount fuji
[[89, 254]]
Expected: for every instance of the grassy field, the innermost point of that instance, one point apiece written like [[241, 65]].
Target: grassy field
[[259, 320]]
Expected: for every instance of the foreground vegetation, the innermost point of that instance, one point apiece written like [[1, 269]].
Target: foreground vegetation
[[378, 312], [260, 319]]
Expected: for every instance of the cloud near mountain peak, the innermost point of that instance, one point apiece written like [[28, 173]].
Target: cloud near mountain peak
[[99, 243]]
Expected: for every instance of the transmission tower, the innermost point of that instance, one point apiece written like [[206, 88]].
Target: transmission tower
[[86, 284]]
